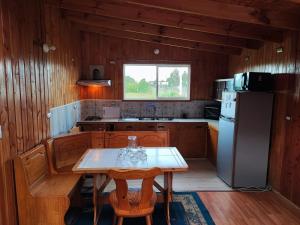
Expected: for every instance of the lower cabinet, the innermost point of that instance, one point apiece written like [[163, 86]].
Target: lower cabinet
[[119, 139], [212, 142], [189, 138]]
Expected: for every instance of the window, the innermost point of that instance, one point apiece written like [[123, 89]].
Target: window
[[156, 82]]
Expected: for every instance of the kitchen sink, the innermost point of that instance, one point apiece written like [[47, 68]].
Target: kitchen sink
[[148, 118], [165, 118], [130, 119]]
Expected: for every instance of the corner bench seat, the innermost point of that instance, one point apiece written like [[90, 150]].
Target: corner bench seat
[[56, 185], [43, 198]]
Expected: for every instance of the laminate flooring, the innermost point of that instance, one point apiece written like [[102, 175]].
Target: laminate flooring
[[238, 208], [202, 176]]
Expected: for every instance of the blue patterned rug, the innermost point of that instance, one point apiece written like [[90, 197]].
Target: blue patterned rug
[[186, 209]]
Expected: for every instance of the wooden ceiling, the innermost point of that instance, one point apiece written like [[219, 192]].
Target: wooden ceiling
[[221, 26]]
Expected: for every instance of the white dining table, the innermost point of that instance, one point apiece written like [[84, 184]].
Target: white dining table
[[98, 161]]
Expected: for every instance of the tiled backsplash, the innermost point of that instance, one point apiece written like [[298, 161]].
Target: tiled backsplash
[[63, 118], [192, 109]]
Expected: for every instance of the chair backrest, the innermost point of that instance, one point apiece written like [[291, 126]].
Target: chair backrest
[[121, 176]]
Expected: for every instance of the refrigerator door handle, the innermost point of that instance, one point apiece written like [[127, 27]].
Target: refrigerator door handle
[[227, 119]]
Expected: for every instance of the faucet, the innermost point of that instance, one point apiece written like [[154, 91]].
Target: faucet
[[153, 106]]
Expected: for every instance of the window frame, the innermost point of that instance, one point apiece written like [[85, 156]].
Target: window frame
[[157, 65]]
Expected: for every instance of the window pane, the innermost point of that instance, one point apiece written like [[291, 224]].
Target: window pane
[[139, 82], [174, 82]]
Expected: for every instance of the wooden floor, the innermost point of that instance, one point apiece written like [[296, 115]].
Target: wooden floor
[[236, 208], [201, 176]]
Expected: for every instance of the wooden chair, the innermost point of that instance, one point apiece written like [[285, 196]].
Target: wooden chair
[[133, 203]]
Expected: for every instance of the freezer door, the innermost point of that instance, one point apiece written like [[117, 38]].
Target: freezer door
[[228, 106], [226, 150]]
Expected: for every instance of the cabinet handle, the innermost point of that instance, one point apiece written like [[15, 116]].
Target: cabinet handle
[[161, 127], [198, 126], [129, 127], [151, 126]]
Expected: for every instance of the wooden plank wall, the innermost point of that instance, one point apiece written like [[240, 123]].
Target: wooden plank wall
[[284, 169], [97, 49], [30, 83], [64, 64]]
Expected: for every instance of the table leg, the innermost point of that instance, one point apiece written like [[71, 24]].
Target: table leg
[[95, 199], [168, 195]]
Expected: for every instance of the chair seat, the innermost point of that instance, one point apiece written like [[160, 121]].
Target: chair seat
[[134, 197]]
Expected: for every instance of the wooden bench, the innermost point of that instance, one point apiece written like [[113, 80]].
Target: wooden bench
[[43, 197]]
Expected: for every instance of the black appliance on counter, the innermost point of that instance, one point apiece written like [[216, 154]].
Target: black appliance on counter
[[92, 118], [253, 81], [212, 112]]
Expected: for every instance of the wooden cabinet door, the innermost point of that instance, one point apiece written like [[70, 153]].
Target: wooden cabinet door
[[192, 139], [154, 139], [97, 139], [119, 139], [172, 128], [212, 147], [116, 139]]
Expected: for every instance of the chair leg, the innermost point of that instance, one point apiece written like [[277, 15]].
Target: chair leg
[[148, 220], [120, 221]]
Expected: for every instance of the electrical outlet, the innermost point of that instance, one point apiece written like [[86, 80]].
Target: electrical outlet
[[49, 115]]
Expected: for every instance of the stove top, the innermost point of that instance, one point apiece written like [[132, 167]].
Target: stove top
[[92, 118]]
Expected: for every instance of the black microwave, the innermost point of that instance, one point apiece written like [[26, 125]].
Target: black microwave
[[253, 81]]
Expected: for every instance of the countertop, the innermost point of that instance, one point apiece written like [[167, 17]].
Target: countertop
[[213, 123]]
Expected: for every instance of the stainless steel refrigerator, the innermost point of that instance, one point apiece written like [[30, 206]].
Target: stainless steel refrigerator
[[244, 138]]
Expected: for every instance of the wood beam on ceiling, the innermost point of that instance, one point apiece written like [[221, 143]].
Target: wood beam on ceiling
[[151, 29], [223, 10], [171, 19], [161, 40]]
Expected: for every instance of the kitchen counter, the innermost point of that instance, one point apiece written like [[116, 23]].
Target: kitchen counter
[[213, 123]]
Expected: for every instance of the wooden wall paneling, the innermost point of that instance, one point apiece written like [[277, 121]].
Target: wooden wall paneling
[[98, 49], [267, 59], [290, 185], [6, 179], [298, 54], [63, 63], [45, 84], [25, 90], [283, 84]]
